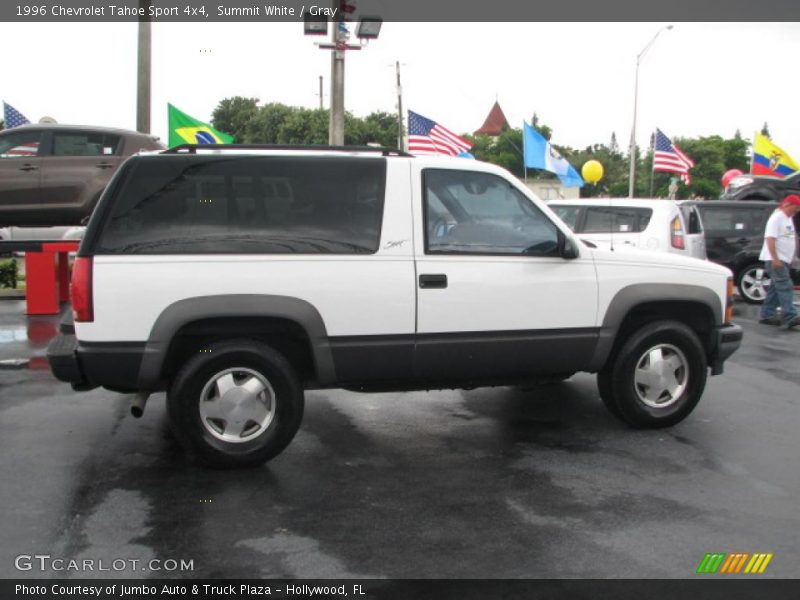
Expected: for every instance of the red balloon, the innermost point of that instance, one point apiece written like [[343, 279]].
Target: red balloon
[[729, 176]]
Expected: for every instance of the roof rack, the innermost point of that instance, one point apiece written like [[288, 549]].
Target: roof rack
[[193, 148]]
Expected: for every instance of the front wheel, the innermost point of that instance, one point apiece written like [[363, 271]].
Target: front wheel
[[753, 283], [657, 377], [236, 403]]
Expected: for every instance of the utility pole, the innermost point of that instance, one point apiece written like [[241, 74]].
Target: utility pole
[[143, 70], [400, 130], [320, 93], [336, 124]]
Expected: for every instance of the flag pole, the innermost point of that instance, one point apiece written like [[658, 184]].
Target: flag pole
[[652, 161], [524, 166], [753, 151]]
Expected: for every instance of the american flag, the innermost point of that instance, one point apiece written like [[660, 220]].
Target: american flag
[[428, 137], [12, 117], [669, 158]]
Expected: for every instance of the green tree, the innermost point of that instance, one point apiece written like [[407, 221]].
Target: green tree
[[380, 128], [504, 150], [232, 115], [264, 126], [304, 126], [615, 170]]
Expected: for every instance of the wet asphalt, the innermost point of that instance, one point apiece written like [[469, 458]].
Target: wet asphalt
[[495, 482]]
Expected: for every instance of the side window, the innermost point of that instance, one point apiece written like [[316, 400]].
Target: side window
[[616, 219], [727, 221], [568, 214], [20, 145], [84, 144], [246, 205], [480, 213], [758, 219]]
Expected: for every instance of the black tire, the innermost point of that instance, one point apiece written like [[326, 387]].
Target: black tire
[[239, 363], [681, 357], [606, 394], [752, 283]]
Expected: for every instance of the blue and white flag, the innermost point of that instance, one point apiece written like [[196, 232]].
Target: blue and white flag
[[12, 117], [539, 154]]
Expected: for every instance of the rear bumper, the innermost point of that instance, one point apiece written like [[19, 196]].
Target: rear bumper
[[86, 366], [726, 341]]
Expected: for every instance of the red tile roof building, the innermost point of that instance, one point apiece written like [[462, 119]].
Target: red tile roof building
[[495, 123]]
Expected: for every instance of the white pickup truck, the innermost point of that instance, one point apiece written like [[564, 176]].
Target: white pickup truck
[[236, 277]]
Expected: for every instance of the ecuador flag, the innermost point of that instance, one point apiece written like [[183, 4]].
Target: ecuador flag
[[769, 159], [183, 129]]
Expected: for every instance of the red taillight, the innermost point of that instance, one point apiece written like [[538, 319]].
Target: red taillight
[[81, 289], [676, 237]]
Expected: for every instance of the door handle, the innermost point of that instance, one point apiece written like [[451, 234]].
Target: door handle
[[28, 168], [104, 166], [437, 281]]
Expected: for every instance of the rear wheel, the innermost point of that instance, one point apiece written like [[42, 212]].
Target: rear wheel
[[753, 283], [657, 376], [237, 403]]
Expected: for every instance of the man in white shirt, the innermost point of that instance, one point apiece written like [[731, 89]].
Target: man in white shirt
[[780, 247]]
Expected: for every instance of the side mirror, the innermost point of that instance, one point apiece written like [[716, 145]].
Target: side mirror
[[566, 247]]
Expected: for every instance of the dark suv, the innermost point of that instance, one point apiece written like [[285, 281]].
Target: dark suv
[[54, 174], [734, 238], [762, 187]]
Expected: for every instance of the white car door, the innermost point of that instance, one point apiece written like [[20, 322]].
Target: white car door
[[494, 297]]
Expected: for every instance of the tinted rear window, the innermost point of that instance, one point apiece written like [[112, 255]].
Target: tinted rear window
[[725, 221], [245, 205]]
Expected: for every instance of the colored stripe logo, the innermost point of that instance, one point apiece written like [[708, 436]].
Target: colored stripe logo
[[734, 563]]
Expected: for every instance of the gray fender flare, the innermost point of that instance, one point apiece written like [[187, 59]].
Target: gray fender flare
[[637, 294], [185, 311]]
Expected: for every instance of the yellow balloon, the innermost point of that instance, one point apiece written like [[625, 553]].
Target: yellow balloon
[[592, 171]]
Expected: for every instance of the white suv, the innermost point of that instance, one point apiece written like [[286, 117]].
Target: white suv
[[235, 278], [649, 224]]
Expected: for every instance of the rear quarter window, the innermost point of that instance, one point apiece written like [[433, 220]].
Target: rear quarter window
[[616, 219], [692, 219], [245, 205]]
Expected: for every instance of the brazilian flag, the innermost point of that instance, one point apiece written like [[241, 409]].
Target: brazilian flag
[[184, 129]]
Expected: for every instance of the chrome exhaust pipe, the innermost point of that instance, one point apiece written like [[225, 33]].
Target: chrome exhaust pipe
[[139, 402]]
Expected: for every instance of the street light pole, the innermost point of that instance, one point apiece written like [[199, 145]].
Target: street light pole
[[143, 70], [368, 29], [632, 151], [400, 131]]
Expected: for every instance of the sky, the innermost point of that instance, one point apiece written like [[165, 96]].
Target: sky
[[698, 79]]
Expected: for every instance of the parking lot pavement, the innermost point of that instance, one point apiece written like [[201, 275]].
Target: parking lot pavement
[[497, 482]]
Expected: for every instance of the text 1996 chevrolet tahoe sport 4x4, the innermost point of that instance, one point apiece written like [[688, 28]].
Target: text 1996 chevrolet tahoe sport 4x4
[[236, 277]]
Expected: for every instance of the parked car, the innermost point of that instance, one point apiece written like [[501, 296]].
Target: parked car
[[54, 174], [762, 187], [660, 225], [236, 278], [734, 233]]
